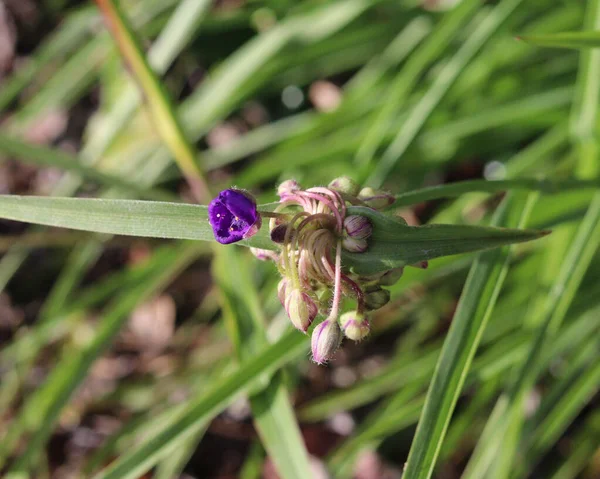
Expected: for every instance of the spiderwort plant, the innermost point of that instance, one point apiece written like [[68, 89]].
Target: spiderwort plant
[[312, 228]]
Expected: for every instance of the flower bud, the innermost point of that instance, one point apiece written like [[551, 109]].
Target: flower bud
[[354, 245], [300, 308], [278, 233], [376, 298], [263, 254], [376, 199], [233, 216], [281, 290], [391, 277], [326, 339], [287, 187], [357, 227], [355, 325], [345, 184]]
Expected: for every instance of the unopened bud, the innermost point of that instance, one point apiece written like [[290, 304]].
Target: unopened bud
[[325, 341], [391, 277], [278, 233], [300, 308], [288, 187], [345, 184], [357, 227], [354, 245], [376, 199], [355, 325], [376, 298], [281, 290], [264, 254]]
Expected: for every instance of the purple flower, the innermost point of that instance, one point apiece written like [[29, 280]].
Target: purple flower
[[233, 216]]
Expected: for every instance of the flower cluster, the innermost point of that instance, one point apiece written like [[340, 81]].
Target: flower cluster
[[312, 228]]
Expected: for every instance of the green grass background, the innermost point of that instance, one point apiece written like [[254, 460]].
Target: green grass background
[[487, 366]]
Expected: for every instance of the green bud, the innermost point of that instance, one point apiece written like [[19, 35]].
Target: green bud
[[355, 325], [345, 184], [325, 340], [376, 199], [376, 298], [391, 277], [300, 308], [281, 290]]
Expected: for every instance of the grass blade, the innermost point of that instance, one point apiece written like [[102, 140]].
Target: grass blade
[[43, 156], [161, 107], [42, 409], [271, 409], [444, 80], [454, 190], [408, 76], [475, 306], [206, 405], [577, 40]]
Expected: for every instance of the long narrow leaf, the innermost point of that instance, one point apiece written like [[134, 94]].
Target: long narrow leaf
[[577, 40], [393, 244], [474, 309], [205, 405], [271, 408]]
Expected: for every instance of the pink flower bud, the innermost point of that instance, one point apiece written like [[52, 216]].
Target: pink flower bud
[[355, 325], [281, 290], [357, 227], [355, 245], [300, 308], [264, 254], [326, 339], [288, 187], [376, 199]]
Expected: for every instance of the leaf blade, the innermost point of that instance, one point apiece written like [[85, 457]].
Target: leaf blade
[[573, 40], [393, 245], [477, 301]]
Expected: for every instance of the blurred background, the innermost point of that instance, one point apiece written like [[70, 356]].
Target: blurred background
[[103, 338]]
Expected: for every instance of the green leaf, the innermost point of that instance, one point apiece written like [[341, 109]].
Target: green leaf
[[577, 40], [42, 156], [477, 301], [394, 244], [453, 190], [120, 217], [205, 405], [446, 77], [160, 105], [273, 414], [42, 409]]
